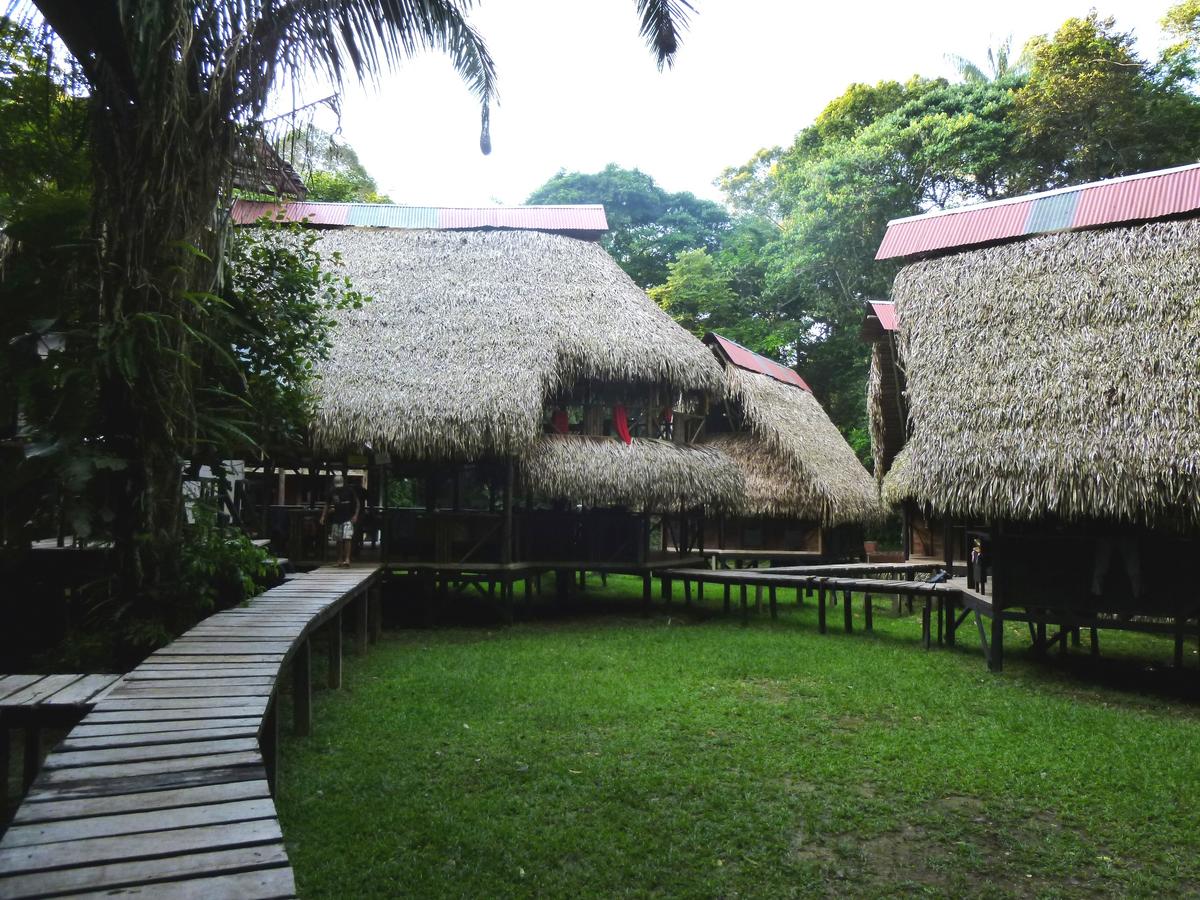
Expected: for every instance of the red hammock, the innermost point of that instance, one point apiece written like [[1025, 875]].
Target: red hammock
[[621, 423]]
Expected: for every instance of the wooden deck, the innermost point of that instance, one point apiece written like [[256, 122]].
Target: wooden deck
[[164, 789]]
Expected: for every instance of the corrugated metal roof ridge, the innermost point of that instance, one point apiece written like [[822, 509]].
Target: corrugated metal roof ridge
[[756, 362], [885, 311], [991, 204]]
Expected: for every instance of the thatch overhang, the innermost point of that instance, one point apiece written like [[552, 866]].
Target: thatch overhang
[[647, 474], [795, 461], [1056, 376], [469, 334]]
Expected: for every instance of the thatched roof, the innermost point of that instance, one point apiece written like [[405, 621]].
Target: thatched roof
[[888, 417], [648, 474], [469, 333], [1056, 375], [797, 464]]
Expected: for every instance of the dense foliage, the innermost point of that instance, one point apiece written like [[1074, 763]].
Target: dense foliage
[[788, 274], [648, 227], [330, 168]]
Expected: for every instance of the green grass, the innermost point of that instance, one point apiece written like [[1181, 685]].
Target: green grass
[[609, 755]]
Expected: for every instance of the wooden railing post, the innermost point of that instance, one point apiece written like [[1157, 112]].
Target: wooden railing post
[[334, 632]]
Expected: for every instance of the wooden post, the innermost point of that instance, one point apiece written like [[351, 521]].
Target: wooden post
[[666, 589], [772, 601], [302, 689], [361, 625], [268, 745], [506, 538], [687, 592], [506, 594], [868, 614], [847, 613], [32, 758], [726, 597], [5, 762], [925, 623], [821, 609], [1095, 642], [647, 590], [999, 596], [800, 596], [745, 605], [334, 633], [1180, 622], [374, 613]]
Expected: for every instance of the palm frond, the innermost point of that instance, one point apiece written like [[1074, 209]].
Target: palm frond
[[663, 22]]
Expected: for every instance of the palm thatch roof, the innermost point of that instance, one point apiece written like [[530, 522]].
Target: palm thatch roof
[[469, 334], [1056, 375], [650, 474], [795, 461], [888, 417]]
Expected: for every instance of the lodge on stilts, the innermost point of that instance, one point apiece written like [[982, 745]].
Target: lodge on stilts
[[1033, 402], [519, 404], [807, 495]]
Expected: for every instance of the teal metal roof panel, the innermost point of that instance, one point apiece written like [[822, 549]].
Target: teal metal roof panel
[[1053, 213], [380, 215]]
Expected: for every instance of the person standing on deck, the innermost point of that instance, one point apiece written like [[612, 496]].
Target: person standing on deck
[[344, 505]]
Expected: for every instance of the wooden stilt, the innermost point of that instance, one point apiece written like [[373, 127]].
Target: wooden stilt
[[925, 624], [996, 658], [333, 633], [361, 624], [800, 596], [374, 614], [821, 610], [1095, 642], [847, 613], [268, 745], [1180, 621], [302, 689], [725, 597], [31, 760], [868, 614], [745, 606], [687, 592], [772, 601], [647, 591]]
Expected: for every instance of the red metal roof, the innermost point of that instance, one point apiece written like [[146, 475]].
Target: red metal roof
[[247, 212], [583, 220], [885, 311], [747, 359], [1134, 198]]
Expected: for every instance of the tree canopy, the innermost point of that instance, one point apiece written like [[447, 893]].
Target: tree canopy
[[648, 227]]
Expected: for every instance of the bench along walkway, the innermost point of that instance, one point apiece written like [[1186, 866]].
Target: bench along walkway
[[36, 702], [164, 789], [940, 598]]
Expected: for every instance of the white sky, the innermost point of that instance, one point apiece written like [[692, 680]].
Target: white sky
[[578, 89]]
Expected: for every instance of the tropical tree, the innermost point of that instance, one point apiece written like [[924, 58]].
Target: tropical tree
[[1000, 64], [647, 226], [175, 87], [330, 168]]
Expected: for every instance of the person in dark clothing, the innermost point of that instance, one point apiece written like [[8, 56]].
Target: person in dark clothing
[[342, 508]]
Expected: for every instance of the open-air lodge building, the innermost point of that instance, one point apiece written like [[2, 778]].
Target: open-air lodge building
[[518, 401], [806, 494], [1037, 393]]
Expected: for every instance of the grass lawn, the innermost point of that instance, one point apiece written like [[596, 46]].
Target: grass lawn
[[684, 755]]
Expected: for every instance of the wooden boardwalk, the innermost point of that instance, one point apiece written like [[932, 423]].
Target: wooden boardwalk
[[165, 788]]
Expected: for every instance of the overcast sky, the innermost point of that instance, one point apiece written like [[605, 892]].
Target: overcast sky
[[578, 89]]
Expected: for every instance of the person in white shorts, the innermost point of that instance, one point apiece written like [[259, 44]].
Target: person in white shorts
[[342, 508]]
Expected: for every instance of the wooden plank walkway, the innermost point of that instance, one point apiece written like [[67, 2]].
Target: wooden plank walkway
[[165, 788]]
